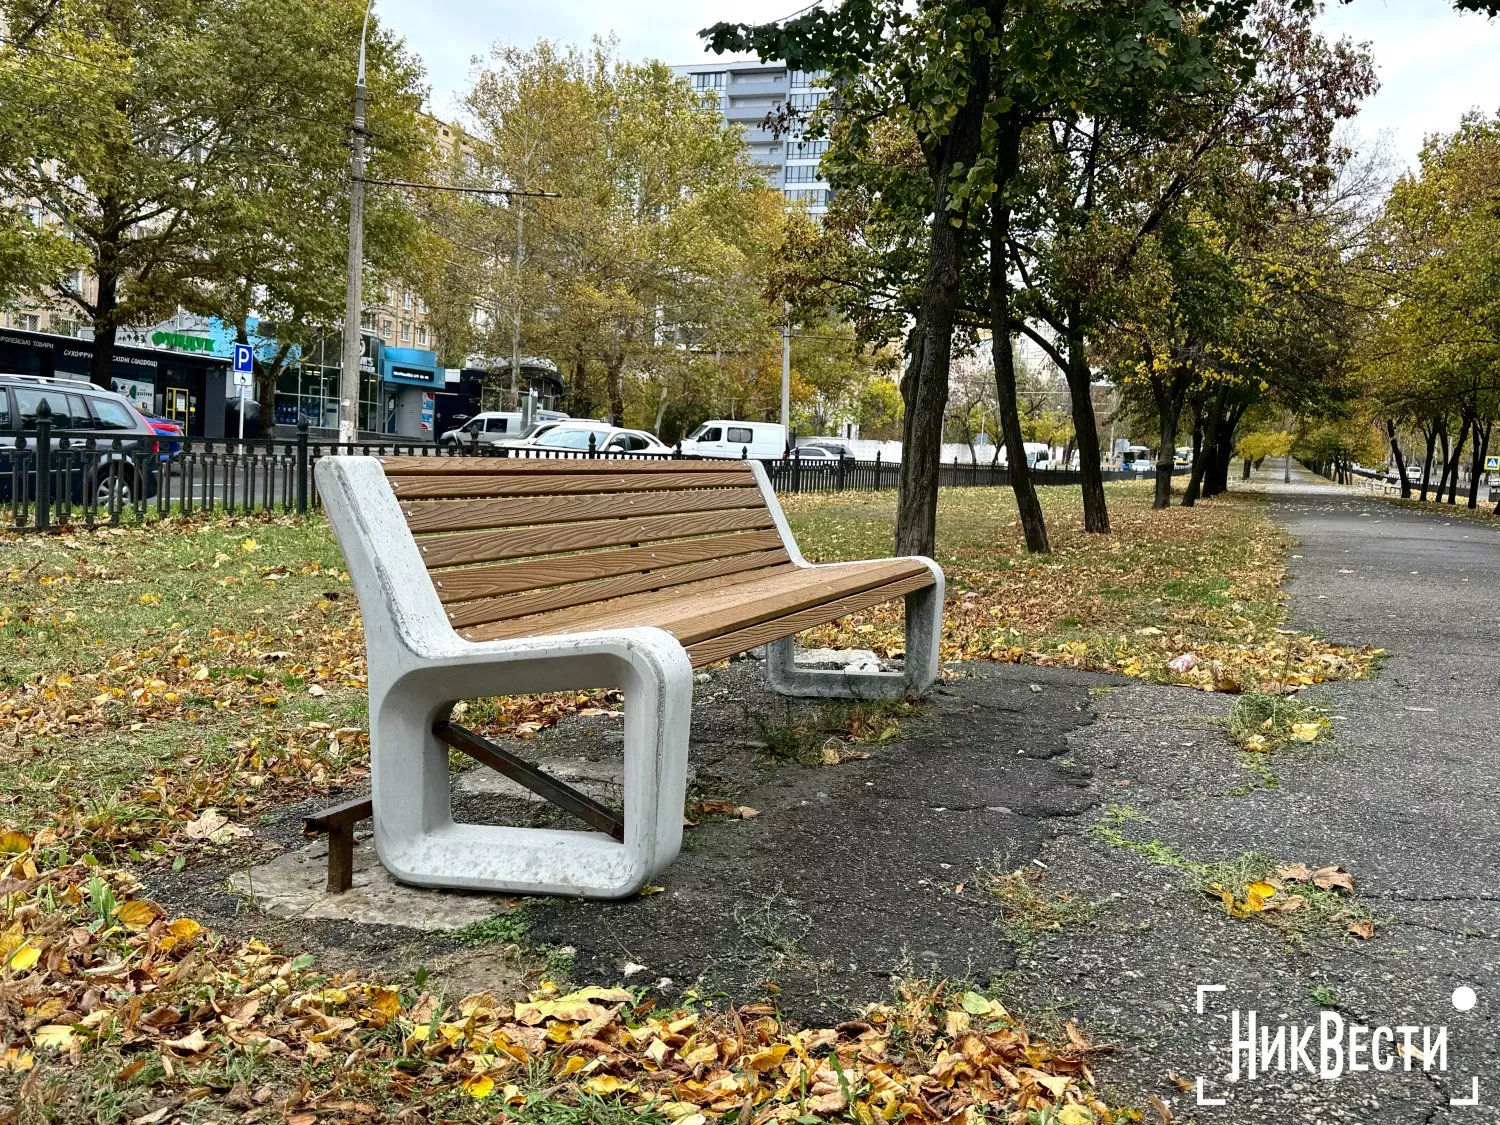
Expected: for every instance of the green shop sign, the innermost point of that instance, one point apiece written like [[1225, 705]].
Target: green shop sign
[[181, 342]]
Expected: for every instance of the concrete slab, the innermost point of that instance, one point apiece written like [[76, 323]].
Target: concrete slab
[[294, 885], [851, 659], [602, 779]]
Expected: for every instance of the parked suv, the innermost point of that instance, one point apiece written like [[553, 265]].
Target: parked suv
[[79, 411]]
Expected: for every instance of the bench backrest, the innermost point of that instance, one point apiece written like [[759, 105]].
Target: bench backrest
[[505, 538]]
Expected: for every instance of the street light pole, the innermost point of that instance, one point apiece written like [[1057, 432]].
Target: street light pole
[[349, 372]]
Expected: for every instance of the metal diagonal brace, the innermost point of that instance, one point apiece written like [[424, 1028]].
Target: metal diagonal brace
[[564, 796]]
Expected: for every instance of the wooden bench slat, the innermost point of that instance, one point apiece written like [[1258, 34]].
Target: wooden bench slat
[[520, 543], [473, 486], [584, 614], [562, 570], [698, 611], [694, 619], [725, 645], [491, 619], [469, 515], [564, 466]]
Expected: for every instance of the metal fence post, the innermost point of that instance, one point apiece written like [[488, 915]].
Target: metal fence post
[[877, 470], [43, 465], [302, 468]]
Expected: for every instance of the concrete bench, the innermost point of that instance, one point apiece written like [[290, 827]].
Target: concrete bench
[[479, 577]]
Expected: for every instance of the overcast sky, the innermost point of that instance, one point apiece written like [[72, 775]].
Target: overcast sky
[[1434, 63]]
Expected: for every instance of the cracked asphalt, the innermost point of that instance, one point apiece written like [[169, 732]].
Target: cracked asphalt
[[1403, 796]]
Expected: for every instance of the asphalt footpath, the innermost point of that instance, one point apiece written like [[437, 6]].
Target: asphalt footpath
[[1403, 797]]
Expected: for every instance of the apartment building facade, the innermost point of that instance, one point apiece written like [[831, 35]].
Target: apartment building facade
[[750, 91]]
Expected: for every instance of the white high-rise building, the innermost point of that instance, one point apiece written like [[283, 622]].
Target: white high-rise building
[[748, 91]]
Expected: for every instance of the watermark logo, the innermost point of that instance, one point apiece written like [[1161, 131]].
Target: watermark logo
[[1328, 1049]]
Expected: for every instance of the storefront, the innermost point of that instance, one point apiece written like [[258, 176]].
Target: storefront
[[186, 387], [309, 391]]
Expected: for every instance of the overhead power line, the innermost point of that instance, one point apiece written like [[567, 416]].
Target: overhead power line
[[463, 190]]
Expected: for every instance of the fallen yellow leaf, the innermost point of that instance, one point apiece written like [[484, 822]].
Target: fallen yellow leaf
[[56, 1035], [479, 1086], [25, 957], [604, 1084], [137, 914], [768, 1059]]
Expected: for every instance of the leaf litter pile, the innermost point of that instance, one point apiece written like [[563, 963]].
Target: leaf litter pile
[[103, 994], [1185, 596]]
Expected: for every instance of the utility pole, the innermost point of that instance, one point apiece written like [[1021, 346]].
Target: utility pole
[[349, 372], [515, 328], [786, 370]]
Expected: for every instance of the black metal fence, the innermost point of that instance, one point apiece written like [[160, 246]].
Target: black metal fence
[[52, 480]]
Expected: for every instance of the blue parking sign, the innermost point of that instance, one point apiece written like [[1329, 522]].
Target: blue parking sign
[[244, 358]]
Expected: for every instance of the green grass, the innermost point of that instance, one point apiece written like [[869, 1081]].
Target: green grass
[[503, 929], [1265, 722], [1028, 908], [1323, 996], [1324, 912]]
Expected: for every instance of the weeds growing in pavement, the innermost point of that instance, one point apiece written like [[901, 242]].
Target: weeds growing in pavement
[[821, 733], [503, 929], [1028, 908], [1265, 722], [1295, 899]]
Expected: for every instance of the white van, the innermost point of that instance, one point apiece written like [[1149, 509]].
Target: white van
[[495, 425], [1038, 455], [719, 437]]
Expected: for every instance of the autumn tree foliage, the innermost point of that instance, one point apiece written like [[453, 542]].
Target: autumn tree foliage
[[1431, 357]]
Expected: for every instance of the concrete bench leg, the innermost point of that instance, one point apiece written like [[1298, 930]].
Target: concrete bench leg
[[415, 834], [924, 632]]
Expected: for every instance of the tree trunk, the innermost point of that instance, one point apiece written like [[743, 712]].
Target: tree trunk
[[1390, 432], [616, 370], [1208, 450], [1427, 464], [102, 366], [1457, 459], [1443, 478], [924, 387], [1476, 466], [1085, 428], [1033, 523], [1220, 481], [1169, 415], [661, 409], [1245, 475]]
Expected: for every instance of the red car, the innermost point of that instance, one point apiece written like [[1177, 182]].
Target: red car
[[165, 427]]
